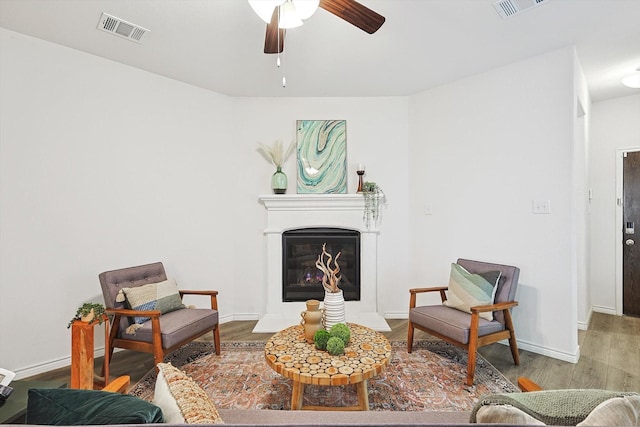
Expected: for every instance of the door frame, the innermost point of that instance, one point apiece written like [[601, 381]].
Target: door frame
[[619, 213]]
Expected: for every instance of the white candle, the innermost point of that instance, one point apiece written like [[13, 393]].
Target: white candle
[[360, 167]]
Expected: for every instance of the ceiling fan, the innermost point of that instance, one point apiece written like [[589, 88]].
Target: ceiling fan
[[280, 15]]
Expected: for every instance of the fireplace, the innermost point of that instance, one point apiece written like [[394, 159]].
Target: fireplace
[[301, 279], [285, 213]]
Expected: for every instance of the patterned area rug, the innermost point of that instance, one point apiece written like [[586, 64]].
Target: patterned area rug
[[430, 378]]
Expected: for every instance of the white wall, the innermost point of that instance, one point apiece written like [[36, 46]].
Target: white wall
[[377, 133], [581, 185], [104, 166], [615, 126], [481, 150]]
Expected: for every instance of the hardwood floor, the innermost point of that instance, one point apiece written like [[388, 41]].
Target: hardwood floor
[[610, 360]]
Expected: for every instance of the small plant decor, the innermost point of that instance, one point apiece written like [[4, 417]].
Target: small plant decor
[[277, 156], [373, 195], [320, 339], [334, 340], [85, 312]]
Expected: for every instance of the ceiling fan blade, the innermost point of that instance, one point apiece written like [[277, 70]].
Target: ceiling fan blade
[[274, 43], [354, 13]]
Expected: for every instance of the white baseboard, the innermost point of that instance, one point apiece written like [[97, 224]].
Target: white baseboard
[[605, 310], [64, 362], [583, 326], [396, 315], [549, 352], [51, 365]]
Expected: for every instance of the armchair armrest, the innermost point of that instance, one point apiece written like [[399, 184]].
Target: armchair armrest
[[494, 307], [212, 294], [526, 384], [136, 313], [119, 385], [415, 291], [431, 289], [197, 292]]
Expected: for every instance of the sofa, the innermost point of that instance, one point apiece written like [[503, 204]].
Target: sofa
[[178, 400]]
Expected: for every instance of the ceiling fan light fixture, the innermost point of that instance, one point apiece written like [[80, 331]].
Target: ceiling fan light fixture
[[264, 8], [632, 80], [306, 8], [289, 16]]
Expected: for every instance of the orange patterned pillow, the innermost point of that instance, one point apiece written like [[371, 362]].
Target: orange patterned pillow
[[182, 400]]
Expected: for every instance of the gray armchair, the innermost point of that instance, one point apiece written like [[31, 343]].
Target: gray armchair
[[469, 331], [163, 332]]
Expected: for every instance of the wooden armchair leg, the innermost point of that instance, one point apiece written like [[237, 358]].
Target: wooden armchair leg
[[158, 357], [512, 337], [514, 351], [471, 365], [410, 330], [216, 338], [106, 360]]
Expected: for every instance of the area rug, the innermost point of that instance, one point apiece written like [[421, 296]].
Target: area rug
[[431, 378]]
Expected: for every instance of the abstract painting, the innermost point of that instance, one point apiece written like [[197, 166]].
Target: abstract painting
[[322, 156]]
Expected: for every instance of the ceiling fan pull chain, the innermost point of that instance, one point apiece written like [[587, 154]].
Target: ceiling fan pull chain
[[278, 62]]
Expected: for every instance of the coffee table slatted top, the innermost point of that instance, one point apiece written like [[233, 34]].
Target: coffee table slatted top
[[367, 353]]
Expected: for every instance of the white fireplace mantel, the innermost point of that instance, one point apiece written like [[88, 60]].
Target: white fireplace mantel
[[313, 201], [287, 212]]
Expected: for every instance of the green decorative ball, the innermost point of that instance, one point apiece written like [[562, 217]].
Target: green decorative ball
[[320, 339], [341, 331], [335, 346]]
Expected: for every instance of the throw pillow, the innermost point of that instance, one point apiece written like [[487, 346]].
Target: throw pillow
[[181, 399], [617, 411], [163, 296], [64, 406], [505, 414], [566, 407], [467, 290]]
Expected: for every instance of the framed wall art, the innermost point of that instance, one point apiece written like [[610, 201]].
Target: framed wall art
[[322, 156]]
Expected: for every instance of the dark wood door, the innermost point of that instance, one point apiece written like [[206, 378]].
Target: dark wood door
[[631, 235]]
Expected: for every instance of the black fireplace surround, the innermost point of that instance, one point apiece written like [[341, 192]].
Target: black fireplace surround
[[301, 279]]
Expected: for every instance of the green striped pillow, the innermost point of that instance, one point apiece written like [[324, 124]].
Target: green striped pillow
[[467, 290], [163, 296]]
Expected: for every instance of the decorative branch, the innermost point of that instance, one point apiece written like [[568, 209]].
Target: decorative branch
[[331, 279]]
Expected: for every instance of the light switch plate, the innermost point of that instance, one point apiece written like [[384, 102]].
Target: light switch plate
[[541, 207]]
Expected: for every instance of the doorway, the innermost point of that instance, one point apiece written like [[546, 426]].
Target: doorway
[[630, 242]]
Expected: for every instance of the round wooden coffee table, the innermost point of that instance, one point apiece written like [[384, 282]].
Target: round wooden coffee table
[[368, 352]]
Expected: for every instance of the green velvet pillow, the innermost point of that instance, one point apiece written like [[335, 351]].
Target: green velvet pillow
[[64, 406]]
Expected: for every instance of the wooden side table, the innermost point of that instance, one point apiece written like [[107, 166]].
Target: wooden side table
[[82, 361], [368, 352]]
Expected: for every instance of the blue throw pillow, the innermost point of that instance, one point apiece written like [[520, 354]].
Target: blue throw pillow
[[63, 406]]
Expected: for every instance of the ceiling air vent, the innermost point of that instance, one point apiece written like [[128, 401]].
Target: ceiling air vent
[[508, 8], [121, 28]]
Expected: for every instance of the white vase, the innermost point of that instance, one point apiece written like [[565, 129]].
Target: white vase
[[333, 309]]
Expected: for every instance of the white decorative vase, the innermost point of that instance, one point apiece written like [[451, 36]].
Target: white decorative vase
[[333, 309]]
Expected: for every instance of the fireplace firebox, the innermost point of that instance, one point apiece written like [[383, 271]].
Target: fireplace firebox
[[301, 279]]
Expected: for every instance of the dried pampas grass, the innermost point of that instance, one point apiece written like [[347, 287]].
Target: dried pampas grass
[[275, 154]]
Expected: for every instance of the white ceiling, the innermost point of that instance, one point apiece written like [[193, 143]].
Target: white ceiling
[[217, 44]]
